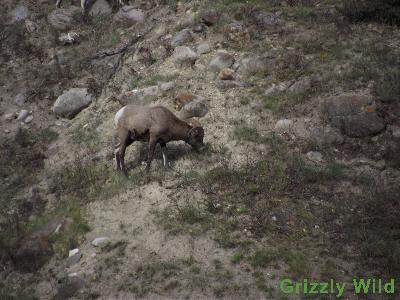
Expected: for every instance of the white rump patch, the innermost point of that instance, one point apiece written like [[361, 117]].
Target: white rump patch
[[118, 115]]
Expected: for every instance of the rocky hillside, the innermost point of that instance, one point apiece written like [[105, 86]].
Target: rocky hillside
[[300, 103]]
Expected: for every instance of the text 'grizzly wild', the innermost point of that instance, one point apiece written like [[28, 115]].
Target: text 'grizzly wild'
[[156, 125]]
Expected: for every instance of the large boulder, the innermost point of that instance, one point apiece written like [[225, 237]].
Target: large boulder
[[354, 115], [129, 15], [70, 103], [63, 19], [142, 96], [221, 61], [181, 38], [184, 56], [100, 7]]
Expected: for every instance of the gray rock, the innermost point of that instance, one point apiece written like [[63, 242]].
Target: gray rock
[[129, 15], [301, 86], [203, 48], [23, 114], [28, 119], [362, 125], [19, 13], [254, 65], [396, 132], [264, 20], [142, 96], [181, 38], [63, 19], [9, 117], [354, 115], [100, 7], [210, 17], [72, 102], [314, 156], [70, 287], [326, 136], [69, 38], [221, 61], [30, 26], [283, 125], [166, 86], [196, 108], [20, 99], [73, 258], [184, 56], [275, 89], [100, 241], [225, 85]]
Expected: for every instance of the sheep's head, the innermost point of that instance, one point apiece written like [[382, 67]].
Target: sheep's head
[[196, 135]]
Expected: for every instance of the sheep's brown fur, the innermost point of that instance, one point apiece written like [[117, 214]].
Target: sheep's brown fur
[[155, 125]]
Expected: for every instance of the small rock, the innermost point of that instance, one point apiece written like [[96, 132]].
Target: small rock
[[181, 38], [30, 26], [184, 56], [20, 99], [193, 109], [73, 258], [129, 15], [100, 7], [301, 86], [9, 117], [19, 13], [264, 20], [396, 132], [63, 18], [142, 96], [314, 156], [236, 33], [203, 48], [210, 17], [198, 28], [166, 86], [69, 38], [275, 89], [326, 136], [23, 114], [254, 65], [70, 103], [220, 61], [28, 119], [100, 241], [226, 74], [284, 125], [225, 85]]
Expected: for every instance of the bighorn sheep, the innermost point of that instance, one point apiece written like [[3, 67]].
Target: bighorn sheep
[[156, 125]]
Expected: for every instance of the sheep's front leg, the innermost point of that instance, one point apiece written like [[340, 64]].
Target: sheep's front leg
[[164, 154], [152, 147]]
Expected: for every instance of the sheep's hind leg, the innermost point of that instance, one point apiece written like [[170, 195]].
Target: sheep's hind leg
[[164, 154]]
